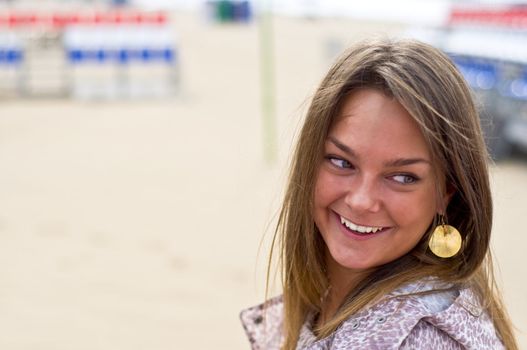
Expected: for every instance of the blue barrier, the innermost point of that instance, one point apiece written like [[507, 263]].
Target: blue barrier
[[122, 56], [11, 56]]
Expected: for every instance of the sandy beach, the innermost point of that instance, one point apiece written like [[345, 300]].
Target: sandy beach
[[145, 224]]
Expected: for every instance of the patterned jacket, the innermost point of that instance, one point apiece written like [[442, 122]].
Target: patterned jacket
[[448, 320]]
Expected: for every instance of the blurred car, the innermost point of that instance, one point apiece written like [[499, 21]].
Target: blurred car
[[501, 89]]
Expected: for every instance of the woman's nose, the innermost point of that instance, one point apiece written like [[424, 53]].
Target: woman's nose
[[363, 195]]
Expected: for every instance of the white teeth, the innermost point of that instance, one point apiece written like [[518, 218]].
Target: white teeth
[[358, 228]]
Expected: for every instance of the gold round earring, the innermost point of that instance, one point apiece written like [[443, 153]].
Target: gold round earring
[[445, 241]]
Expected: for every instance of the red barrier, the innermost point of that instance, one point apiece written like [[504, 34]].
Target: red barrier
[[503, 17], [60, 20]]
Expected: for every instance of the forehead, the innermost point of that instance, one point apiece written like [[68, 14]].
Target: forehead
[[374, 124]]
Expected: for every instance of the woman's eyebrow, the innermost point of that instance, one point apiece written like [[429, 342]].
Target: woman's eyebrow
[[390, 163], [342, 147], [405, 161]]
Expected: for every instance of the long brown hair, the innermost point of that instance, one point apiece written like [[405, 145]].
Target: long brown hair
[[431, 89]]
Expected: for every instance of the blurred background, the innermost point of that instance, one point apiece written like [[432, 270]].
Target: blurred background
[[144, 146]]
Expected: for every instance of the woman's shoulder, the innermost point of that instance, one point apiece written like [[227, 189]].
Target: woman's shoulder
[[422, 315], [263, 324]]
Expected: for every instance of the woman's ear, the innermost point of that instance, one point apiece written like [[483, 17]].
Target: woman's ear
[[446, 197]]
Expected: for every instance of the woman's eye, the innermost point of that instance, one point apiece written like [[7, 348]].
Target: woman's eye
[[404, 179], [340, 163]]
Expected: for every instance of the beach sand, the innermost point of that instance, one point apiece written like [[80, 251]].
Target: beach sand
[[146, 224]]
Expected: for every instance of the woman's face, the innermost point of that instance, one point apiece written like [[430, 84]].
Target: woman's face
[[376, 192]]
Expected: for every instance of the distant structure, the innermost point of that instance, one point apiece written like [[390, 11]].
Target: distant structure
[[226, 11], [88, 54]]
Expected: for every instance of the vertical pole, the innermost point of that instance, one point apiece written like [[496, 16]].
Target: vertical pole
[[267, 82]]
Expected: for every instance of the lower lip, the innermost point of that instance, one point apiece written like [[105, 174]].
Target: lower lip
[[357, 236]]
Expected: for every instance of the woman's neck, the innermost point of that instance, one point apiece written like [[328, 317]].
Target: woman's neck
[[341, 282]]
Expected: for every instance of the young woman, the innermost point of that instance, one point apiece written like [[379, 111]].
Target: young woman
[[385, 227]]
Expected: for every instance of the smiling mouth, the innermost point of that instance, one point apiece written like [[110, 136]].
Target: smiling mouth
[[363, 230]]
